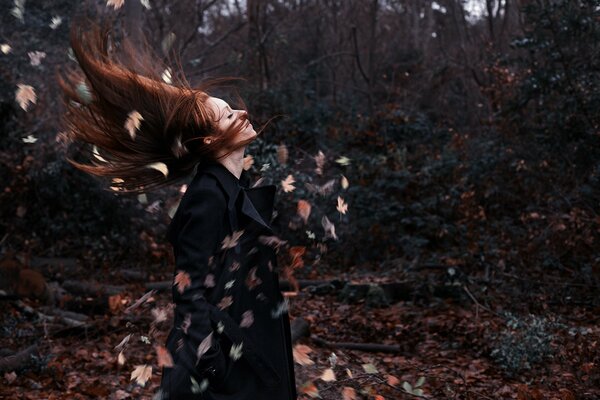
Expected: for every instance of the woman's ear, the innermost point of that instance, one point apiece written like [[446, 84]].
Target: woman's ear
[[208, 139]]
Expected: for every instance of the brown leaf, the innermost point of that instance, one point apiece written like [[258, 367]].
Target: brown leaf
[[182, 280], [303, 210], [163, 356]]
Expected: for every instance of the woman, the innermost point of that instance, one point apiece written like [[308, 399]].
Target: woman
[[231, 336]]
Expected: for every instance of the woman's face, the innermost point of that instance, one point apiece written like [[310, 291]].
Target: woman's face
[[227, 117]]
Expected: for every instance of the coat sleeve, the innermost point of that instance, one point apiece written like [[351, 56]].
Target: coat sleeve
[[196, 241]]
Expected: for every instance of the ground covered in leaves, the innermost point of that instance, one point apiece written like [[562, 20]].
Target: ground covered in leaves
[[455, 344]]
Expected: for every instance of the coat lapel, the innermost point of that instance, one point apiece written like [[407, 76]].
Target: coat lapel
[[257, 202]]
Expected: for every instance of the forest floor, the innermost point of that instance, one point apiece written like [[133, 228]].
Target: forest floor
[[454, 346]]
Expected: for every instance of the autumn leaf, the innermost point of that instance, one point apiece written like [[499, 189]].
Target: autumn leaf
[[322, 190], [141, 374], [303, 210], [252, 280], [98, 156], [231, 241], [320, 161], [287, 184], [204, 346], [273, 241], [29, 139], [121, 358], [247, 319], [121, 345], [5, 48], [329, 228], [341, 206], [84, 93], [182, 280], [159, 314], [344, 182], [370, 368], [25, 95], [163, 356], [209, 281], [56, 21], [159, 166], [343, 160], [35, 57], [166, 76], [348, 393], [134, 119], [309, 389], [116, 4], [225, 302], [328, 375], [282, 154], [301, 354], [235, 352]]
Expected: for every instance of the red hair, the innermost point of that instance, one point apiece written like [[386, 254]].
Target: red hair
[[172, 118]]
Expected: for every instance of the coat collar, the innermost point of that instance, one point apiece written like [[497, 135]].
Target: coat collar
[[257, 201]]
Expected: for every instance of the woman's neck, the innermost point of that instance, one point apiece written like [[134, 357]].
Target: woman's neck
[[234, 162]]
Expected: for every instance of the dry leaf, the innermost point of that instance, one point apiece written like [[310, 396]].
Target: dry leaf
[[310, 389], [134, 119], [35, 57], [25, 95], [231, 241], [204, 346], [141, 374], [303, 210], [348, 393], [225, 302], [341, 206], [344, 182], [56, 21], [121, 358], [115, 3], [247, 319], [287, 184], [282, 154], [328, 375], [329, 227], [182, 280], [160, 166], [301, 354], [163, 356], [5, 48]]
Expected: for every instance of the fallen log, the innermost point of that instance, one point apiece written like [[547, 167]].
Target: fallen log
[[371, 347], [19, 360]]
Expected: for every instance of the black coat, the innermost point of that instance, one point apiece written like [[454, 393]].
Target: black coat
[[231, 333]]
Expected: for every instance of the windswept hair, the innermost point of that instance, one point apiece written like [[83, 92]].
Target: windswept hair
[[133, 125]]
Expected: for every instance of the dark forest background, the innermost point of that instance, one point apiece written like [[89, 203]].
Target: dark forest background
[[470, 141]]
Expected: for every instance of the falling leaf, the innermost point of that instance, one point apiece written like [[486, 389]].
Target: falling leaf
[[329, 228], [274, 241], [282, 154], [121, 358], [231, 241], [83, 92], [343, 160], [56, 21], [166, 45], [163, 356], [236, 351], [159, 314], [18, 9], [301, 354], [115, 3], [370, 368], [121, 345], [187, 321], [344, 182], [348, 393], [198, 388], [310, 234], [146, 4], [392, 380], [341, 206], [247, 319], [134, 119], [328, 375], [166, 76], [35, 57], [182, 280], [248, 162], [281, 308], [265, 167], [332, 360], [309, 389], [303, 210], [320, 161], [209, 281], [29, 139], [287, 184], [178, 149], [204, 346], [141, 374], [25, 95], [229, 284], [252, 280], [323, 190], [99, 157], [5, 48], [235, 265], [225, 302], [159, 166]]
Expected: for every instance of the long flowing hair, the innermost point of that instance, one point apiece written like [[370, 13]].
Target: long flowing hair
[[139, 123]]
